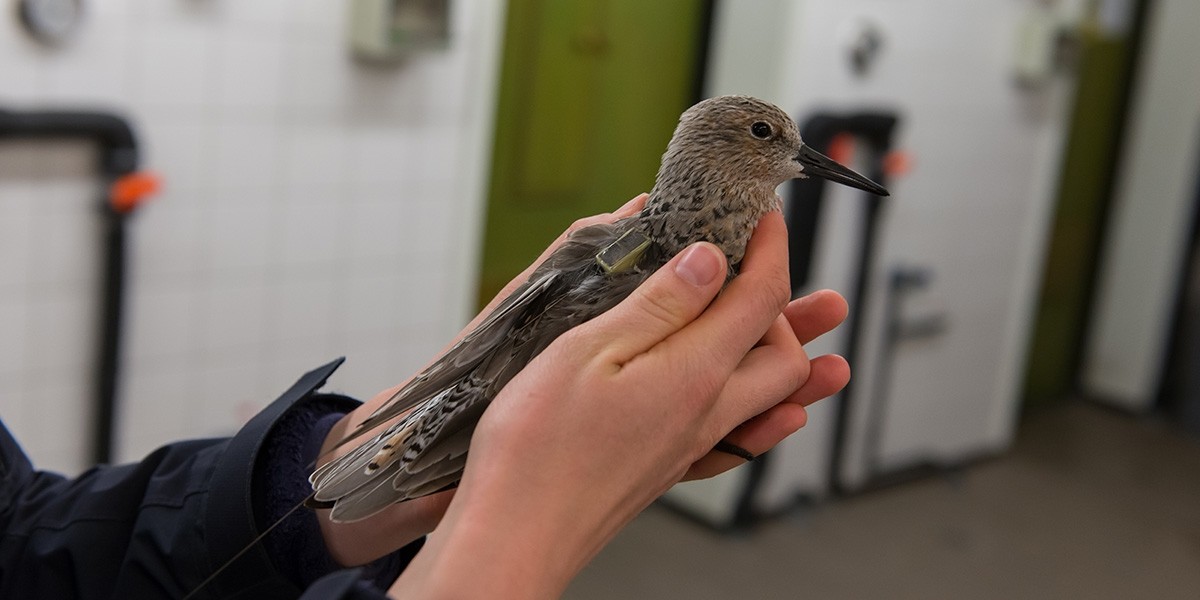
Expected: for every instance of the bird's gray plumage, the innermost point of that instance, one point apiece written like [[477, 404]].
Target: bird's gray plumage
[[717, 179]]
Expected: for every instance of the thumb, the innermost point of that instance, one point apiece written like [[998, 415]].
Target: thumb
[[666, 302]]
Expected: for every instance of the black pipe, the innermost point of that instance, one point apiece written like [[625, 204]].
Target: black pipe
[[118, 145], [118, 157], [109, 353]]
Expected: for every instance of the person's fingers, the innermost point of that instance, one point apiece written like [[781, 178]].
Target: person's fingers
[[774, 369], [778, 366], [740, 316], [815, 314], [757, 435], [630, 208], [830, 373], [670, 299], [634, 206]]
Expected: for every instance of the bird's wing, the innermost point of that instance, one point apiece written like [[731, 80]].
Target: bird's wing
[[464, 356], [547, 281], [426, 450]]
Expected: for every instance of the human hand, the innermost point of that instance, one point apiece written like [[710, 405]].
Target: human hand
[[802, 321], [366, 540], [619, 409]]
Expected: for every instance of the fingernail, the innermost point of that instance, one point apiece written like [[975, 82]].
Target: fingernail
[[629, 205], [698, 265]]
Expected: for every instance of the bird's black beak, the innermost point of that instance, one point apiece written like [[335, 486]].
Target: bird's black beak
[[819, 165]]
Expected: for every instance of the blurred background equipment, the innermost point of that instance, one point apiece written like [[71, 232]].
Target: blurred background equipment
[[391, 30], [123, 191], [50, 21]]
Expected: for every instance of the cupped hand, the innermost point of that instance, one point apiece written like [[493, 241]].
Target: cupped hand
[[802, 321], [619, 409]]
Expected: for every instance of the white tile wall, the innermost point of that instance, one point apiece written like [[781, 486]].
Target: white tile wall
[[312, 207]]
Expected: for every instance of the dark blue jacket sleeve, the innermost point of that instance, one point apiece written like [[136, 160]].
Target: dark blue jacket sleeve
[[160, 527]]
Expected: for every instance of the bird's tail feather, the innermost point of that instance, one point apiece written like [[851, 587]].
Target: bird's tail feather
[[367, 499], [345, 474], [442, 483]]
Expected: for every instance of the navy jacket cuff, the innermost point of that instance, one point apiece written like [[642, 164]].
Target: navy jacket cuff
[[269, 450]]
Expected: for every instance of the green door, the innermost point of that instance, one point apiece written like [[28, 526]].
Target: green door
[[590, 92], [1085, 189]]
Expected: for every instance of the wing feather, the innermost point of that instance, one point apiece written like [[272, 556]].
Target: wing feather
[[461, 358]]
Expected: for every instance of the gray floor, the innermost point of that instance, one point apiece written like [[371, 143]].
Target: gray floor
[[1088, 504]]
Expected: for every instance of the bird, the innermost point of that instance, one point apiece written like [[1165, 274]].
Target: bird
[[717, 178]]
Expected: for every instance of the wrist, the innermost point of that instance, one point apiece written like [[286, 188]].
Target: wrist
[[509, 543]]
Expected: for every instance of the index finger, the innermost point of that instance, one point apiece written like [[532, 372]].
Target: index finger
[[816, 314]]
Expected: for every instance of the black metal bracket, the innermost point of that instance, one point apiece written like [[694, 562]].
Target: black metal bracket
[[872, 131], [118, 157]]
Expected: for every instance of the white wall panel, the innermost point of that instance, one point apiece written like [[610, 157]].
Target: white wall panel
[[312, 207]]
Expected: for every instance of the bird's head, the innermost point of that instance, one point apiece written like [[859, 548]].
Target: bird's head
[[753, 140]]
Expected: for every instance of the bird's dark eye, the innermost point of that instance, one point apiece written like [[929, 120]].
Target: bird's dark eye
[[760, 130]]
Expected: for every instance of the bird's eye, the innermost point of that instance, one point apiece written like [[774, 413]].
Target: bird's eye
[[760, 130]]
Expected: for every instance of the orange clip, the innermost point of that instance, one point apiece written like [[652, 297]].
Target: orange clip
[[130, 191], [841, 148], [897, 163]]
